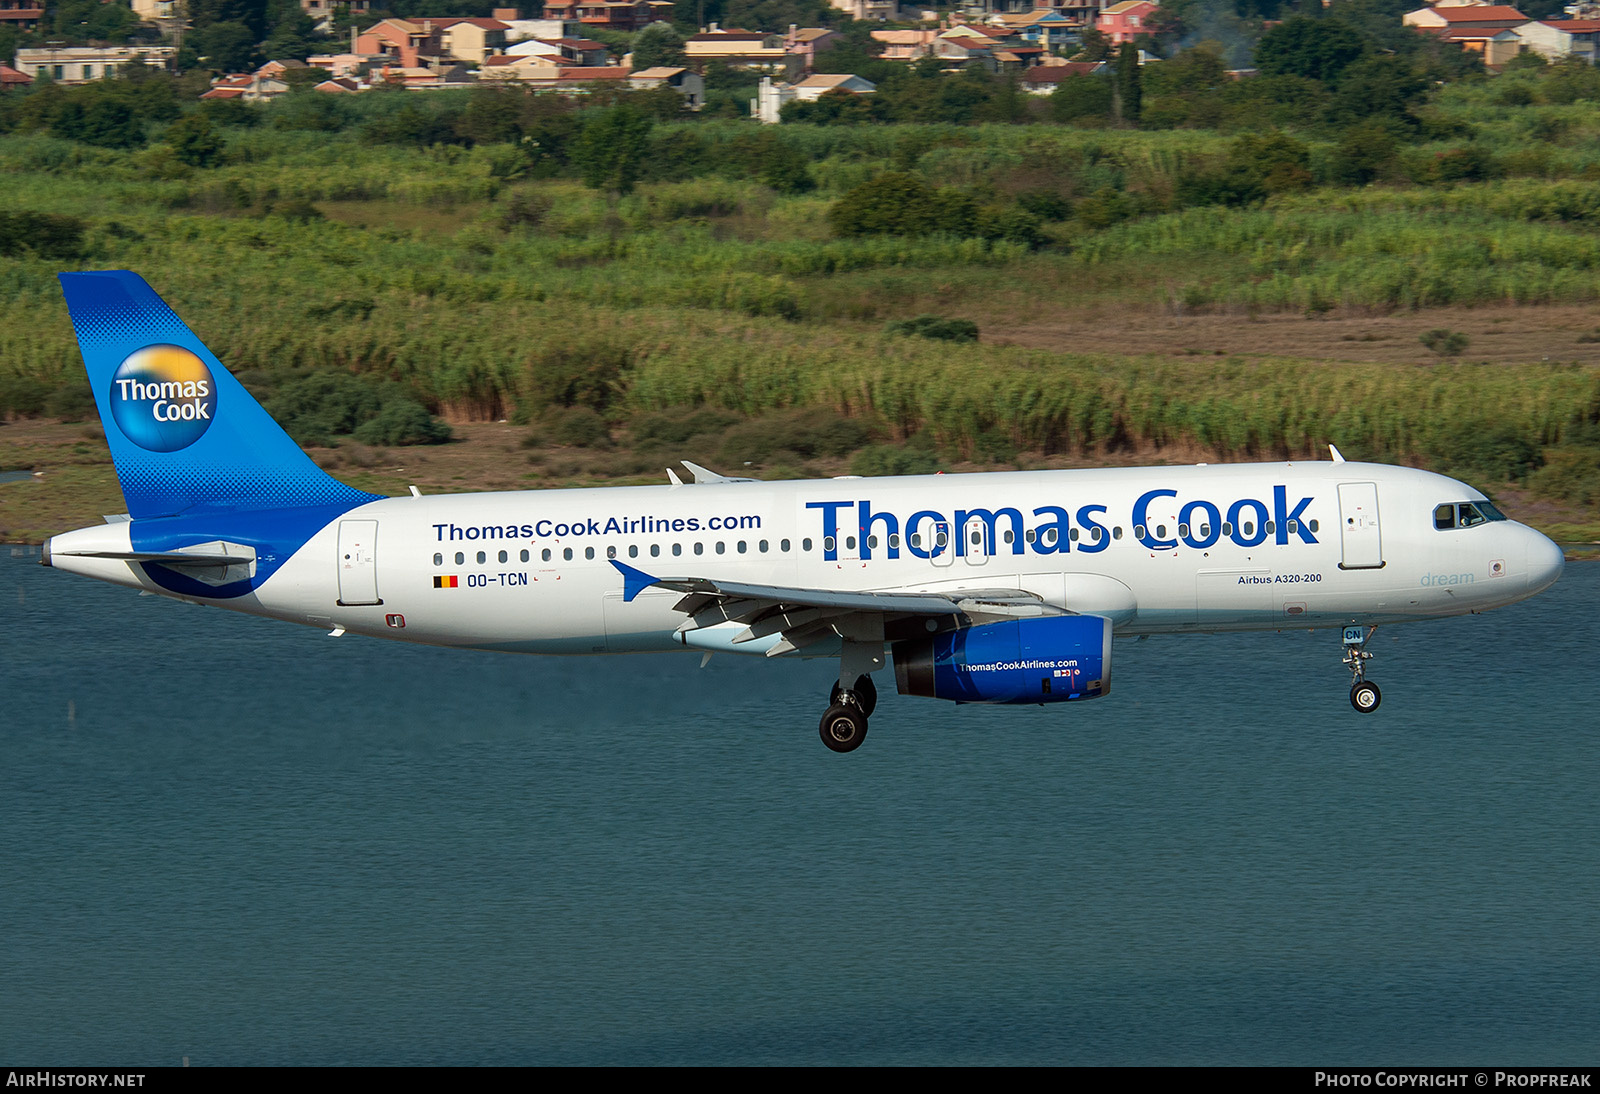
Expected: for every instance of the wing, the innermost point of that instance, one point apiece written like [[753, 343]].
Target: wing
[[804, 617]]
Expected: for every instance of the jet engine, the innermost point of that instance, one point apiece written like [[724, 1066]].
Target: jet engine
[[1048, 660]]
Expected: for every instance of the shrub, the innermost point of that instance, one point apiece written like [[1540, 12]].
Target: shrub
[[935, 327], [1489, 451], [402, 421], [1445, 342], [1569, 474], [888, 459], [580, 427], [48, 235]]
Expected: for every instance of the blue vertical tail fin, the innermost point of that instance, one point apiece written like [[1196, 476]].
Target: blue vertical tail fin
[[184, 434]]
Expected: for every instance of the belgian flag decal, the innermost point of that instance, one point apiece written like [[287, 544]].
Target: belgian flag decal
[[442, 581]]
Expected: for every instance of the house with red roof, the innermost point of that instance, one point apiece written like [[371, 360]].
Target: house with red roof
[[404, 43], [1554, 39], [472, 39], [1043, 79], [1476, 16], [10, 77], [22, 14], [1125, 21], [615, 14]]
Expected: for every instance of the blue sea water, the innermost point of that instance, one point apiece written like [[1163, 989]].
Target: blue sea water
[[246, 842]]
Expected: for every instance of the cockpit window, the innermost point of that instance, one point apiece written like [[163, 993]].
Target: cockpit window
[[1464, 514]]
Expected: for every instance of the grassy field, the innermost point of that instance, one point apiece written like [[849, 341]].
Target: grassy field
[[719, 319]]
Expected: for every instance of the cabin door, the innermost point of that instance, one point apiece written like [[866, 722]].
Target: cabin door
[[358, 562], [1359, 535]]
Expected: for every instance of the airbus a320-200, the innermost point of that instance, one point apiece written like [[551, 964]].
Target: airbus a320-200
[[982, 588]]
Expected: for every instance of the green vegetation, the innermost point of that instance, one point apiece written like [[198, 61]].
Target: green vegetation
[[635, 286]]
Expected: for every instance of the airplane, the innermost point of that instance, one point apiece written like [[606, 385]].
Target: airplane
[[1000, 587]]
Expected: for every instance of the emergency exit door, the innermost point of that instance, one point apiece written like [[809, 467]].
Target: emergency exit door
[[1359, 534], [358, 562]]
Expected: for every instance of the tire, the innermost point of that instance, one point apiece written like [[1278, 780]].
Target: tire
[[843, 728], [1365, 696]]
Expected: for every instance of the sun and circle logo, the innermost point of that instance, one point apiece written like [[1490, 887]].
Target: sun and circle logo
[[163, 398]]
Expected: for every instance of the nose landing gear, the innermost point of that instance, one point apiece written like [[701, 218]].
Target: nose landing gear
[[1364, 694]]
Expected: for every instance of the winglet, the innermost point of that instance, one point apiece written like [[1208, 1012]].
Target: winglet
[[634, 581], [1338, 457]]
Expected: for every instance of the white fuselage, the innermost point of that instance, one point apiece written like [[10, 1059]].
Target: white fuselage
[[1157, 549]]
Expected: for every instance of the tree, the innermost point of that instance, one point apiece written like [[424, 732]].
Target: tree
[[1130, 92], [106, 123], [1320, 49], [1096, 46], [227, 47], [195, 142], [613, 149], [252, 13], [1079, 97], [659, 46]]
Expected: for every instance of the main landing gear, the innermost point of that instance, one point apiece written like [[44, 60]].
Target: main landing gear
[[1364, 694], [844, 726]]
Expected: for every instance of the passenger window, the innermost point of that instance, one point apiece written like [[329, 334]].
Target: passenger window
[[977, 537], [894, 541], [915, 539], [1205, 531], [1293, 526], [504, 557], [1138, 531], [1227, 528], [1183, 530], [762, 546], [460, 558], [438, 559], [722, 548], [566, 553], [655, 550], [699, 548], [1312, 524], [1050, 536], [611, 552], [827, 543], [482, 557], [805, 545], [1249, 528], [941, 540], [743, 546], [872, 542], [524, 554], [1116, 533], [633, 550], [588, 552], [677, 548], [1270, 527], [544, 555], [1010, 536], [1161, 531], [850, 543]]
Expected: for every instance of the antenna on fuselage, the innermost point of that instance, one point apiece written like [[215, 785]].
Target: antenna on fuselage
[[1338, 457]]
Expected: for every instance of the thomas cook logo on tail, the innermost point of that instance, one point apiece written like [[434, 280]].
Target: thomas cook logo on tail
[[163, 398]]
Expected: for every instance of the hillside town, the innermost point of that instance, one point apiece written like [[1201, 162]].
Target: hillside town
[[549, 49]]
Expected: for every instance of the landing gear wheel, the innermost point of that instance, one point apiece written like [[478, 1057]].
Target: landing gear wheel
[[1365, 696], [866, 693], [843, 728]]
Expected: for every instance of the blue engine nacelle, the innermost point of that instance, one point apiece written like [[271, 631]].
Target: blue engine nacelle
[[1046, 660]]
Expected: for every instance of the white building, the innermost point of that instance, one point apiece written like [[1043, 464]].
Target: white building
[[767, 106], [82, 64], [1554, 39]]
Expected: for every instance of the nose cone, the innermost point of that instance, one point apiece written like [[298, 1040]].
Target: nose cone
[[1544, 562]]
